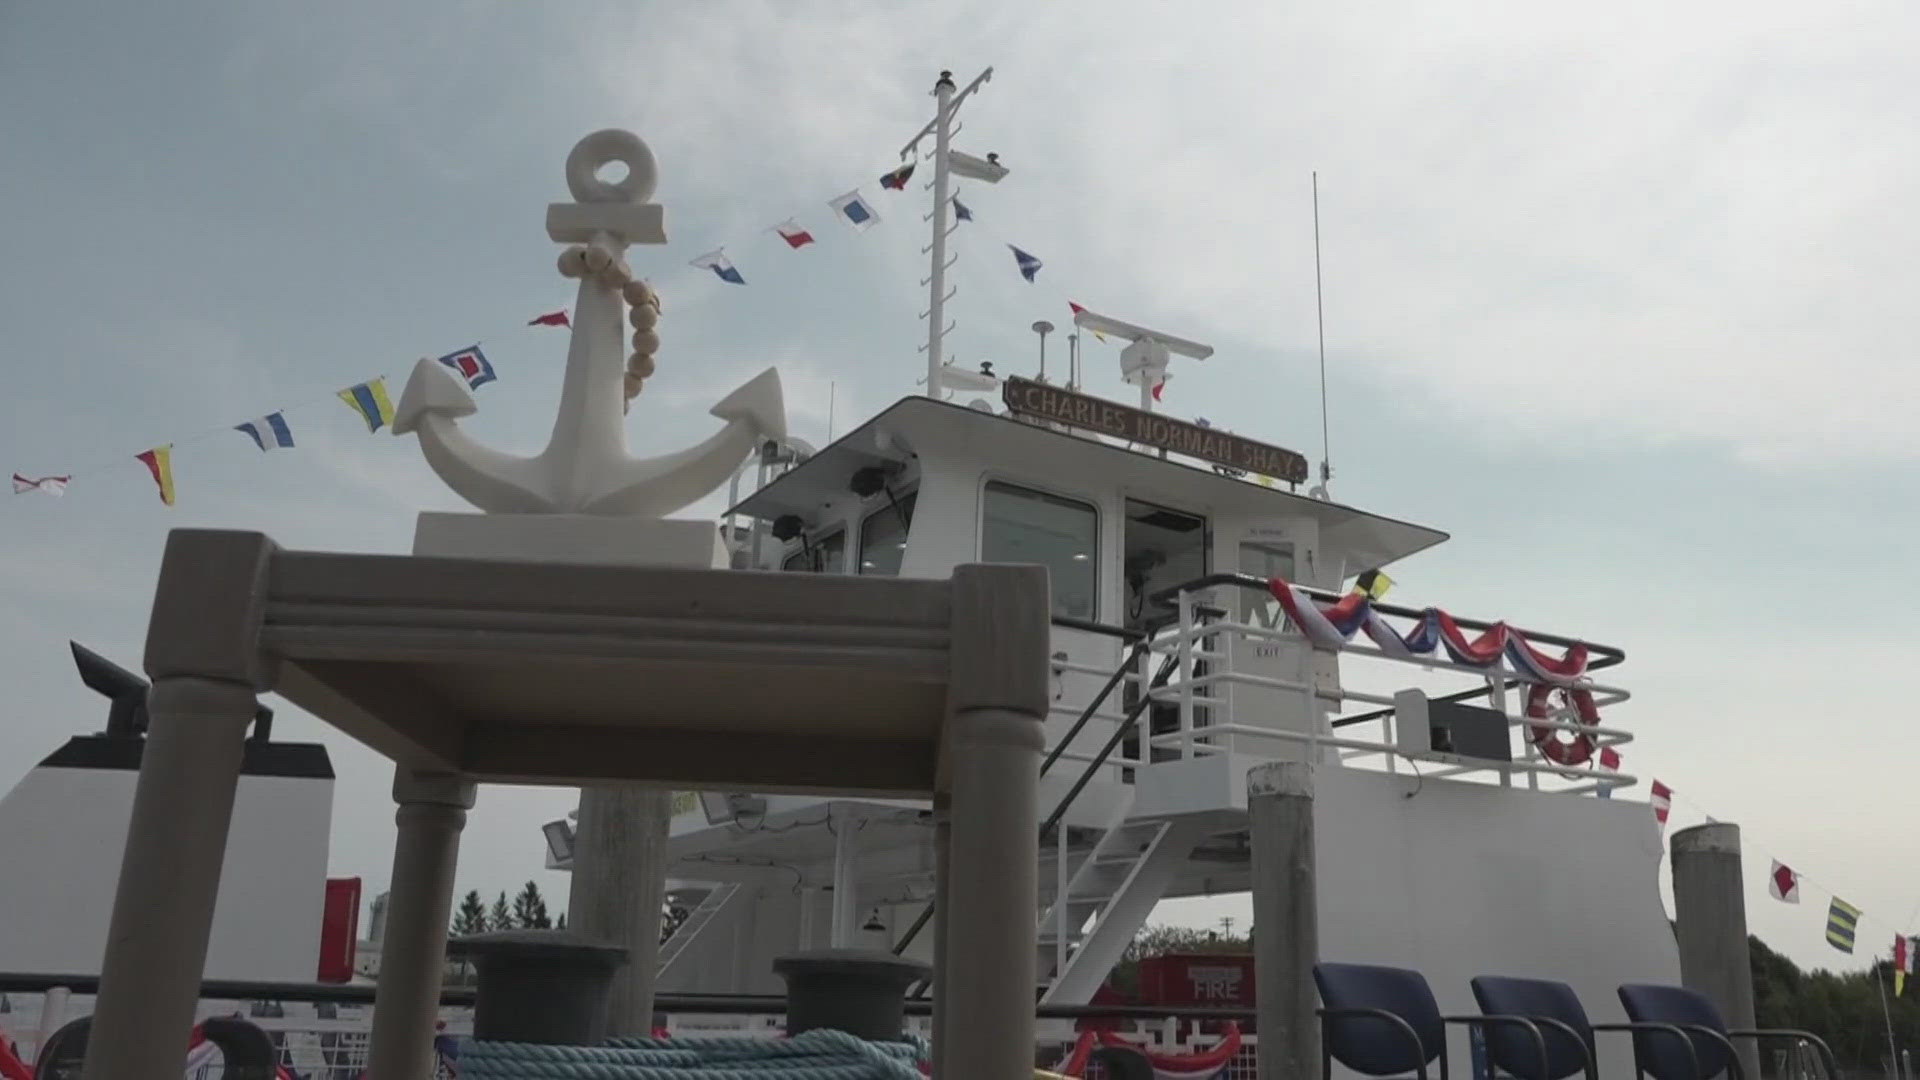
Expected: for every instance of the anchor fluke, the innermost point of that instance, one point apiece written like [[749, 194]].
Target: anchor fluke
[[760, 402], [495, 482], [658, 486], [432, 388]]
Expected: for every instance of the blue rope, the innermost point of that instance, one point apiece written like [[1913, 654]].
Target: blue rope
[[815, 1055]]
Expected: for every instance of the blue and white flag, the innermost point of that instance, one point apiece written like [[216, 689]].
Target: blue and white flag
[[1029, 266], [717, 262], [269, 432], [472, 365], [856, 211], [960, 210]]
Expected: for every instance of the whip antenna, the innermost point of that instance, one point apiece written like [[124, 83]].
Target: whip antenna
[[1320, 317]]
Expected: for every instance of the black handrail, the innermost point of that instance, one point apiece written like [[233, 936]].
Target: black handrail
[[1092, 627], [1120, 732], [1119, 673]]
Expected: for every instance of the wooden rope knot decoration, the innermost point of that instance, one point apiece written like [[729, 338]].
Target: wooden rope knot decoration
[[644, 313]]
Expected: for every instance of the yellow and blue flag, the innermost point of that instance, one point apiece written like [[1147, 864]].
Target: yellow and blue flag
[[369, 399], [1842, 918]]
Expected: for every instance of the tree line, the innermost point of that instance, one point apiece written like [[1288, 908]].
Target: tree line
[[528, 912]]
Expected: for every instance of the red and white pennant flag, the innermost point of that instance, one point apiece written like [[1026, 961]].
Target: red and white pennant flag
[[1783, 883], [1661, 799], [55, 486], [793, 233]]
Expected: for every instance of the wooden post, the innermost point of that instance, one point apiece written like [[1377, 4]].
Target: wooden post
[[1710, 921], [1286, 917], [619, 882]]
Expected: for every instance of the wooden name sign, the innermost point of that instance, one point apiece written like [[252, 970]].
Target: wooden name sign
[[1042, 402]]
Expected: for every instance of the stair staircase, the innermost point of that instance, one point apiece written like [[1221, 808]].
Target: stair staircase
[[696, 921], [1112, 887]]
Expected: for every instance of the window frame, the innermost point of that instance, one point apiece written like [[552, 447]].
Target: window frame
[[816, 544], [886, 506], [1077, 498]]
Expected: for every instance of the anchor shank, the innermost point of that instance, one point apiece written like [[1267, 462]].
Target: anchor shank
[[589, 432]]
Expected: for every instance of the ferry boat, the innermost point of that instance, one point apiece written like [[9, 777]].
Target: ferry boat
[[1465, 824]]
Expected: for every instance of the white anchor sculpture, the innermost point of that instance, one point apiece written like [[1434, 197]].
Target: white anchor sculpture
[[585, 468]]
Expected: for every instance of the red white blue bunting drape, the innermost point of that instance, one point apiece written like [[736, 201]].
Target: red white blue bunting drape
[[1331, 626]]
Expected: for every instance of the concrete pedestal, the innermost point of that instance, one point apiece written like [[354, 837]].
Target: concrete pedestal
[[861, 993]]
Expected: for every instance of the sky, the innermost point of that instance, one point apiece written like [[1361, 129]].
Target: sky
[[1620, 297]]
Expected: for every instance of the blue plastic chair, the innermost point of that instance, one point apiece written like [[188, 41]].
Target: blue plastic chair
[[1704, 1034], [1563, 1022], [1383, 1021], [1555, 1009]]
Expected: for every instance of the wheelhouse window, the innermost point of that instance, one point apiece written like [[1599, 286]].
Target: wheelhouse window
[[824, 556], [1021, 525], [883, 537]]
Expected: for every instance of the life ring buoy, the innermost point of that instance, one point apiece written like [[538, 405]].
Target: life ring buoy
[[1578, 749]]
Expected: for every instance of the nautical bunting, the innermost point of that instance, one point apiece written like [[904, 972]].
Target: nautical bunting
[[1159, 388], [55, 486], [1330, 627], [897, 179], [855, 211], [1609, 761], [1660, 797], [796, 236], [551, 318], [960, 210], [1372, 584], [1902, 962], [472, 365], [1783, 884], [1842, 919], [717, 262], [159, 462], [1029, 267], [269, 432], [369, 400]]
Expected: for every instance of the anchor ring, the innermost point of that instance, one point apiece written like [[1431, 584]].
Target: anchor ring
[[601, 147]]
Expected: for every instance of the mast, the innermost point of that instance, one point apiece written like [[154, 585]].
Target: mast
[[937, 279], [947, 105]]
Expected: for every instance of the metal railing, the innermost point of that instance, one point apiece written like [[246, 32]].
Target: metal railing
[[1202, 646], [321, 1047]]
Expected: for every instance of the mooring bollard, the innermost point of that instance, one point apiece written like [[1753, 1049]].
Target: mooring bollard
[[541, 986], [861, 993]]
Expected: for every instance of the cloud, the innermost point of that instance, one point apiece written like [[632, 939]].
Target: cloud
[[1556, 231]]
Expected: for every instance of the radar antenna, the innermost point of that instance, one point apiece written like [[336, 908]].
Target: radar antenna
[[1144, 361]]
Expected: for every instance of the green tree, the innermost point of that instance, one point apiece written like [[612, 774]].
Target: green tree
[[471, 918], [500, 918], [1154, 941], [530, 910], [561, 924]]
